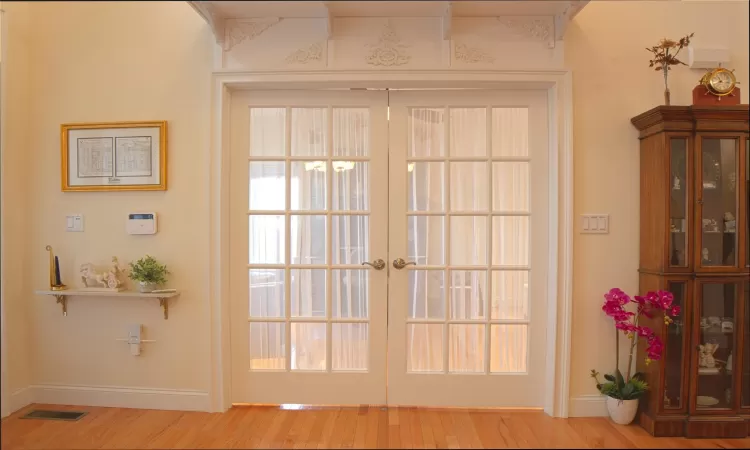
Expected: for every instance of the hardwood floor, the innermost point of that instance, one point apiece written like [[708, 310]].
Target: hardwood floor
[[363, 427]]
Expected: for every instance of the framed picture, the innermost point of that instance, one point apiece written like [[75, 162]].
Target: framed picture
[[118, 156]]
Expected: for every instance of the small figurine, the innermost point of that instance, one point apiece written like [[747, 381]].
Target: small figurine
[[676, 184], [706, 353], [710, 225], [673, 228], [110, 280], [704, 255], [730, 223]]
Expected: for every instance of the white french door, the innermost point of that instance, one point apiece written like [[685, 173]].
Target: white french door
[[468, 213], [308, 201], [447, 188]]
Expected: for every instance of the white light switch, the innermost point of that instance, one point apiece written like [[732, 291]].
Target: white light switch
[[74, 223], [595, 223]]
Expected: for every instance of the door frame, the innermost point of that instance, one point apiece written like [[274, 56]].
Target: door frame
[[557, 84]]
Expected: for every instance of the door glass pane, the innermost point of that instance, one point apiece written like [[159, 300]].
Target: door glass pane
[[719, 221], [308, 239], [308, 186], [424, 344], [716, 350], [426, 132], [673, 347], [678, 205], [468, 136], [308, 292], [426, 245], [426, 294], [266, 292], [510, 132], [468, 294], [350, 293], [466, 348], [308, 346], [267, 185], [350, 238], [746, 359], [351, 131], [426, 186], [349, 346], [267, 346], [267, 131], [510, 295], [509, 348], [309, 131], [511, 240], [469, 186], [468, 241], [511, 187], [266, 239], [350, 185]]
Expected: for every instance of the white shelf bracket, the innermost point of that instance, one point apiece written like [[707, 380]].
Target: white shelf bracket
[[329, 21], [447, 21]]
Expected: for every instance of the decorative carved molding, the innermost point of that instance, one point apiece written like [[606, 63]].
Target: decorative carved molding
[[237, 30], [527, 27], [389, 51], [306, 55], [472, 55]]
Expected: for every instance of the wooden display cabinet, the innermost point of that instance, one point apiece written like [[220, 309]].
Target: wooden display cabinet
[[695, 198]]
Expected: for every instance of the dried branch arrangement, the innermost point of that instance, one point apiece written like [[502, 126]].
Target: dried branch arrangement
[[665, 55]]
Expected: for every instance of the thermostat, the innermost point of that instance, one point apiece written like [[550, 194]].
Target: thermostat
[[141, 223]]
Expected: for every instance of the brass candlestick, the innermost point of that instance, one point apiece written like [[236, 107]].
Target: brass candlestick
[[55, 283]]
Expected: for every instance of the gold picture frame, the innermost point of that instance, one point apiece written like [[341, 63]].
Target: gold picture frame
[[114, 156]]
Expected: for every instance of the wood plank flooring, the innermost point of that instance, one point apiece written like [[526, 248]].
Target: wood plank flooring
[[363, 427]]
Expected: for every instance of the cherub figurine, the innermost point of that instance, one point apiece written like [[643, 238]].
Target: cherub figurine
[[706, 353]]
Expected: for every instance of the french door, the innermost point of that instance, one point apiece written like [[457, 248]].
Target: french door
[[308, 202], [381, 247]]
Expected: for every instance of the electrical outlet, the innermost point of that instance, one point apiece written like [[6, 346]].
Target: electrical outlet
[[595, 223]]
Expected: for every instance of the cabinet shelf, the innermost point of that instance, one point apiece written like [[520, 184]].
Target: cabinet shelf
[[62, 296]]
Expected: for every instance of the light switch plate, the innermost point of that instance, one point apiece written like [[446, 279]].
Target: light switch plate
[[74, 223], [595, 223]]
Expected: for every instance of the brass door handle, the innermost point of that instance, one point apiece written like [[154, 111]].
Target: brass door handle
[[399, 263], [378, 264]]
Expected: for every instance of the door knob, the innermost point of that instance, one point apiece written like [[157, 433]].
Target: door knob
[[378, 264], [399, 263]]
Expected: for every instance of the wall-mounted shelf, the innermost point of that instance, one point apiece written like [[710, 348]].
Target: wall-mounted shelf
[[62, 297]]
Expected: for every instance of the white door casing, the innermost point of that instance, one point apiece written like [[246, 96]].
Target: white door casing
[[308, 317], [468, 205], [557, 85]]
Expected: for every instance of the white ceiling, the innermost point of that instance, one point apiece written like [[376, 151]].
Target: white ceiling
[[261, 8]]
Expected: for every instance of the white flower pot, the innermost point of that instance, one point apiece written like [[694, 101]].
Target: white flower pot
[[145, 287], [622, 412]]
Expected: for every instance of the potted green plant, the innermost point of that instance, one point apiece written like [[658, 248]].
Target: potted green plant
[[148, 273], [623, 392]]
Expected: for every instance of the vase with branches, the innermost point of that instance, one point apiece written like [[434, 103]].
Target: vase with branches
[[628, 389], [665, 55]]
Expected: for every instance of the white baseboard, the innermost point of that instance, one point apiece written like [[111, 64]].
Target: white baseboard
[[19, 399], [120, 397], [587, 406]]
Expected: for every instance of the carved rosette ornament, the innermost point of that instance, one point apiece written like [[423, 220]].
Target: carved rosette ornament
[[237, 30], [389, 51], [306, 55], [534, 28], [471, 55]]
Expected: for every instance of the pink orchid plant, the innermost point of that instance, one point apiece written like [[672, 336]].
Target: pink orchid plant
[[627, 388]]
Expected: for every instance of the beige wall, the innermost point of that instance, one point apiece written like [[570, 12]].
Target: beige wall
[[101, 62], [605, 48], [15, 115], [152, 61]]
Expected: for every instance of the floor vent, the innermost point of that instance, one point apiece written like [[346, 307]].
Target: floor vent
[[70, 416]]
